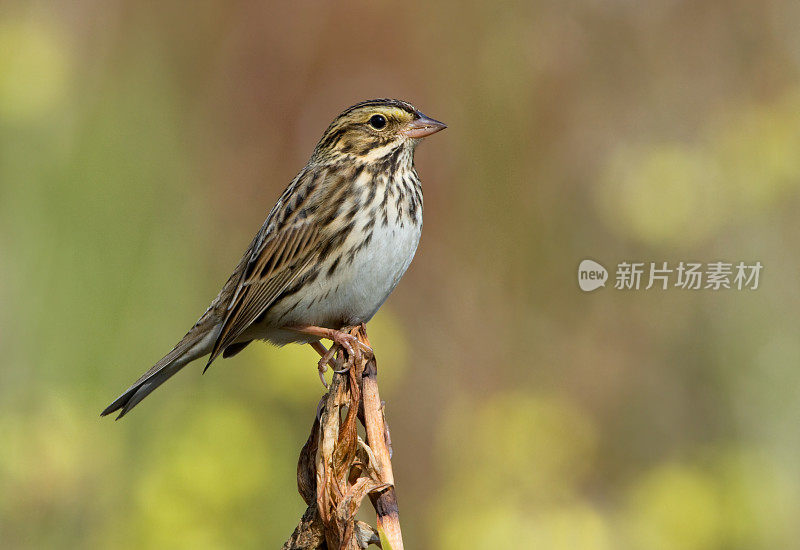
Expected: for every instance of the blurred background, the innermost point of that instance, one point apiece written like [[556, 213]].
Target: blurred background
[[142, 144]]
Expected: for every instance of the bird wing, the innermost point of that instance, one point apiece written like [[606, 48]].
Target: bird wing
[[278, 260]]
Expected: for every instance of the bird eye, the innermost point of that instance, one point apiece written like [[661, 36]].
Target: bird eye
[[377, 121]]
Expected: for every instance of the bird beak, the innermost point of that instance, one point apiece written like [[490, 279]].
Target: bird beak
[[422, 126]]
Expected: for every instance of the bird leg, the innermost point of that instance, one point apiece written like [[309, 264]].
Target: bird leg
[[344, 339], [352, 345]]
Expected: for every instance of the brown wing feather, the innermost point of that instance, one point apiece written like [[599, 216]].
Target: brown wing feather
[[282, 258]]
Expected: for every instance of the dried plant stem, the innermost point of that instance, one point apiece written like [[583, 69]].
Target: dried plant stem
[[336, 469]]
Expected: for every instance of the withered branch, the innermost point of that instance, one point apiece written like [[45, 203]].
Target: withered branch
[[337, 469]]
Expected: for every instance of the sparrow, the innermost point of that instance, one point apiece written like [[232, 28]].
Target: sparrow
[[330, 252]]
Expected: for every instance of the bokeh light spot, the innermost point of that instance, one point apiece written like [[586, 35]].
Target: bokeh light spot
[[34, 68]]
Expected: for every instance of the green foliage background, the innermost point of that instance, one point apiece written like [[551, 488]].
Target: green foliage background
[[142, 143]]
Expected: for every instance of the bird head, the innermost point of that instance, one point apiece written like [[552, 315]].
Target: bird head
[[372, 129]]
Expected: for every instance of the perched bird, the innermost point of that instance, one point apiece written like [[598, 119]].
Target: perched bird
[[331, 251]]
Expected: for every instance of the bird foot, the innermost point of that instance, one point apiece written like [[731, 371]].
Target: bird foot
[[354, 348], [326, 358]]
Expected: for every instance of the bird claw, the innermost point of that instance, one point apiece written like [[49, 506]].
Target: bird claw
[[354, 348], [327, 356], [352, 345], [322, 377], [366, 349], [346, 369], [322, 365]]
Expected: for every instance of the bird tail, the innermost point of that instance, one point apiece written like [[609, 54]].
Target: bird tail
[[197, 343]]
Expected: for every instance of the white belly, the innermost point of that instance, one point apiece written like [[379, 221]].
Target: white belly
[[354, 292], [374, 273]]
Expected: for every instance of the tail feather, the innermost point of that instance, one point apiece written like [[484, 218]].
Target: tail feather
[[197, 343]]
